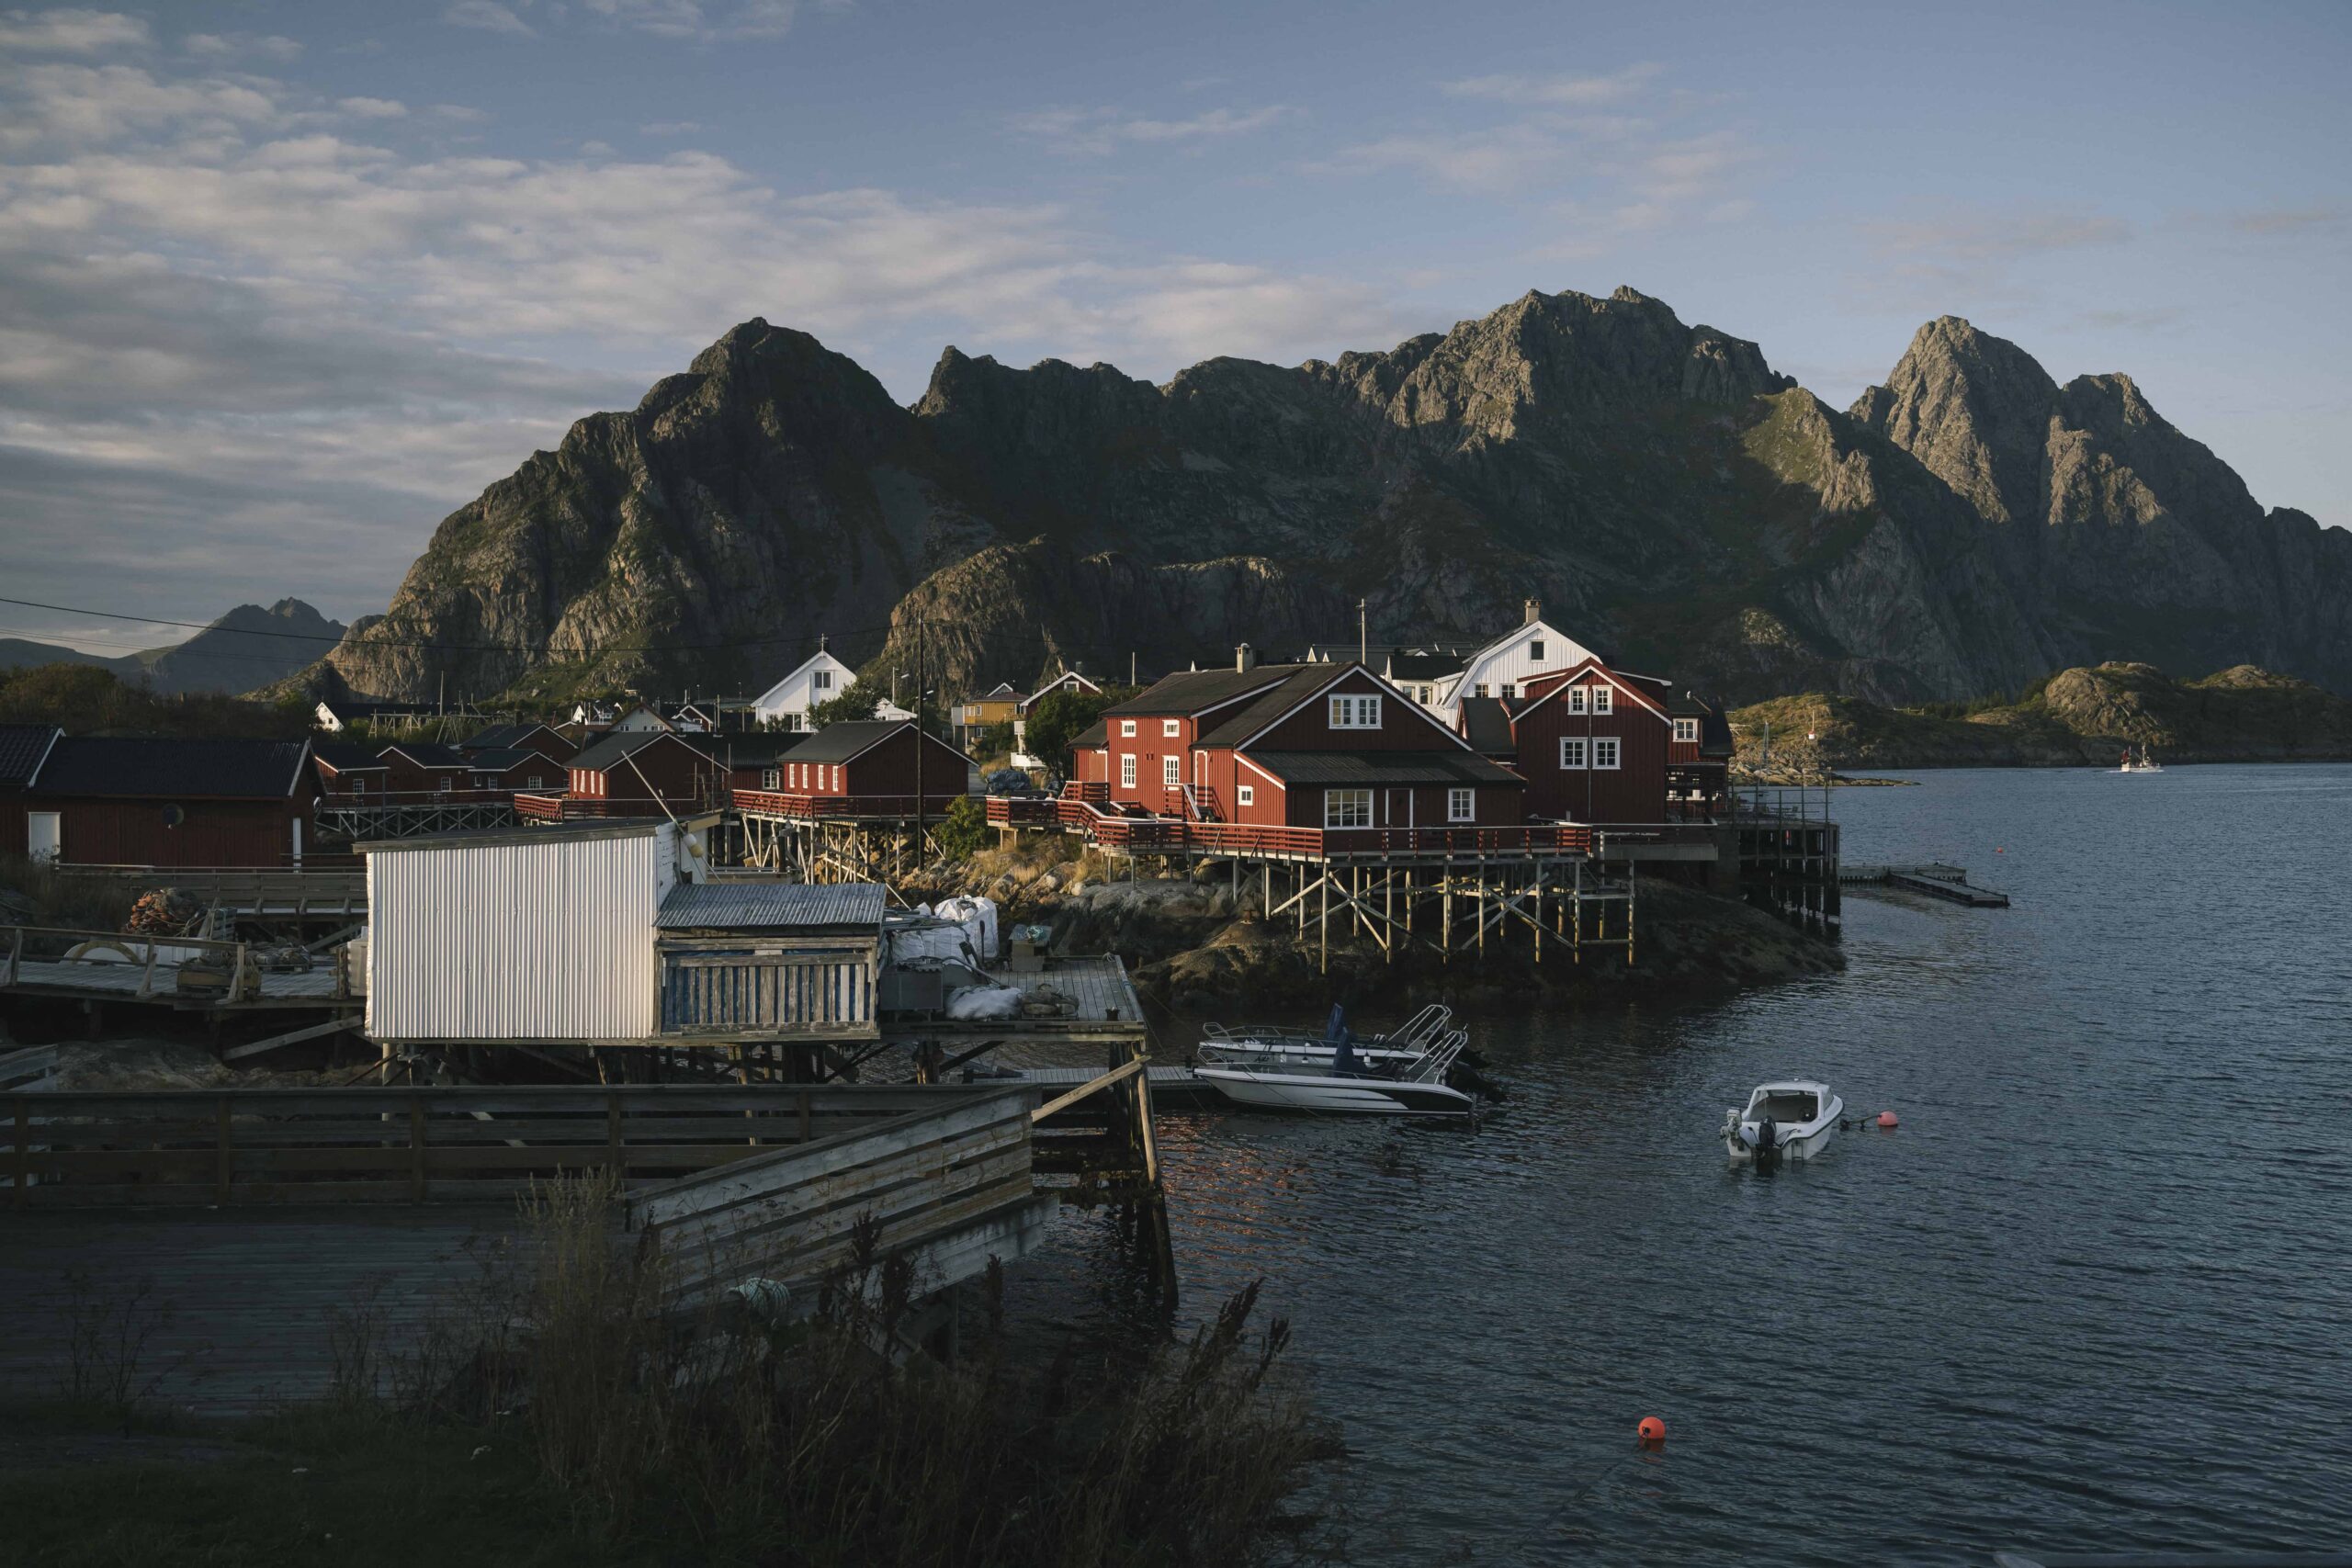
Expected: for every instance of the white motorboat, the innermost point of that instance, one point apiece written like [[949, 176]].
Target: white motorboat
[[1401, 1073], [1791, 1119], [2146, 765]]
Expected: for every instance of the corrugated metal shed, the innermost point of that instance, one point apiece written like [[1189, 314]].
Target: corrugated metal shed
[[519, 936], [772, 905]]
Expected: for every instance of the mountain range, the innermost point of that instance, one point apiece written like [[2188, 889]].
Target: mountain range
[[248, 648], [1964, 528]]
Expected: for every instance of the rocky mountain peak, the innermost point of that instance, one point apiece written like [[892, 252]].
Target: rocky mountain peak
[[1975, 409]]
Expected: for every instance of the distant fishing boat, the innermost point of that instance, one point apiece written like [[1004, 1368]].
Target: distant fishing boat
[[2146, 765]]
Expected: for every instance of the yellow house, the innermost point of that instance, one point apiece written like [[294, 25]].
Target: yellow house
[[999, 707]]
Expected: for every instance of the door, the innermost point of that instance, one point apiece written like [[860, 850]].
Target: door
[[1400, 808], [43, 836]]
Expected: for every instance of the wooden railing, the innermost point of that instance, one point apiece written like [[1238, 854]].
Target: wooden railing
[[921, 1177], [343, 885], [1013, 810], [303, 1145], [800, 804], [231, 970]]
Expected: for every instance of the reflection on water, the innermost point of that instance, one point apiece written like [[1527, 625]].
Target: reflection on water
[[2093, 1293]]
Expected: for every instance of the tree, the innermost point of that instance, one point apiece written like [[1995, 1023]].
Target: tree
[[965, 828], [858, 701], [1058, 717], [993, 741]]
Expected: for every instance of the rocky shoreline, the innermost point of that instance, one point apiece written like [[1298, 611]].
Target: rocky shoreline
[[1196, 948]]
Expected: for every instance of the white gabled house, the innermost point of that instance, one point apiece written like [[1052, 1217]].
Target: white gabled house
[[1500, 669], [820, 680], [1068, 681]]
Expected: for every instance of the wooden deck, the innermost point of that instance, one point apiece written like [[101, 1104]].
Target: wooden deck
[[1937, 880], [118, 966]]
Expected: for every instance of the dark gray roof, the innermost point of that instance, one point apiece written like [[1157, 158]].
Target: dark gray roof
[[1193, 690], [840, 742], [429, 753], [348, 756], [1423, 666], [501, 758], [22, 746], [234, 770], [1383, 768], [757, 748], [550, 833], [504, 737], [772, 906], [1488, 725], [1237, 724], [608, 751], [1094, 734]]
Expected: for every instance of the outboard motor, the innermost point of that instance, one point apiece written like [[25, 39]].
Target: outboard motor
[[1767, 1141]]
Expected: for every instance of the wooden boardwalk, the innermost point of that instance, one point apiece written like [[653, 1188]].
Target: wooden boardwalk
[[1935, 879]]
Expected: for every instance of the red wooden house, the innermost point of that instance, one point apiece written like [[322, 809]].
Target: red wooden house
[[350, 770], [633, 773], [1324, 746], [503, 769], [108, 801], [1592, 743], [541, 738], [423, 769], [23, 746], [868, 768]]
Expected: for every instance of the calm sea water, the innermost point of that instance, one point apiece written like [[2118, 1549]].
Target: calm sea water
[[2096, 1293]]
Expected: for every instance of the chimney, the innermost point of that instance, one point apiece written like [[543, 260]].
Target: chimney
[[1535, 609], [1245, 659]]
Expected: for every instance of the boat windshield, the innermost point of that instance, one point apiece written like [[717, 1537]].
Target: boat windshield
[[1784, 1107]]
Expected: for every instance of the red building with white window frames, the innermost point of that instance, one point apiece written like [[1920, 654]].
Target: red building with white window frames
[[1592, 745], [419, 769], [1325, 746], [868, 768], [109, 801], [632, 773], [546, 740]]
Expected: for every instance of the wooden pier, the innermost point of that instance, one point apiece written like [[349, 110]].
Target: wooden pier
[[255, 1227], [1935, 879], [186, 973]]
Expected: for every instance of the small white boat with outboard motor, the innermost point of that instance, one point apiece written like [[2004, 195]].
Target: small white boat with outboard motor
[[1399, 1073], [1789, 1120]]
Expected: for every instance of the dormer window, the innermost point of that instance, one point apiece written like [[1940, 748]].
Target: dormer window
[[1603, 696], [1576, 699], [1686, 732], [1352, 710]]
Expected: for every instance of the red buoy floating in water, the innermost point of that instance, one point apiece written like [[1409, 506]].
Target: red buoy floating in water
[[1886, 1119], [1651, 1432]]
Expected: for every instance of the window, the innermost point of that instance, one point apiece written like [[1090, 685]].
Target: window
[[1347, 808], [1247, 794], [1576, 699], [1127, 769], [1604, 752], [1479, 690], [1511, 691], [445, 784], [1462, 804], [1353, 712], [820, 680], [1127, 727], [1171, 727], [1686, 732], [531, 783], [359, 787], [1604, 699], [769, 778], [1572, 754], [1171, 771], [1535, 650]]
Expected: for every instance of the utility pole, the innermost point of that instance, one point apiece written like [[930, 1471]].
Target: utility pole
[[919, 745], [1363, 635], [1131, 667]]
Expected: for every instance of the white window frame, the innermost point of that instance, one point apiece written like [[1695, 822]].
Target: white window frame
[[820, 680], [1574, 753], [770, 778], [1479, 690], [1126, 770], [1576, 699], [1354, 710], [1171, 772], [1333, 799], [1171, 727], [1462, 804], [1686, 732], [1604, 698], [1246, 793], [1607, 753], [1535, 650], [1127, 727]]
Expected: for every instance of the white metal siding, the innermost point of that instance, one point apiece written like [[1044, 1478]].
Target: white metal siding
[[1510, 661], [517, 941]]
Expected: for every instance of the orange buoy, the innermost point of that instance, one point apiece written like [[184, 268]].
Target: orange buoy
[[1887, 1119], [1652, 1431]]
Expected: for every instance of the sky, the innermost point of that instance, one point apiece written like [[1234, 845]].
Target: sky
[[282, 284]]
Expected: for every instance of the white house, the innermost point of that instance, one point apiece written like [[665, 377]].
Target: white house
[[643, 719], [820, 680], [1499, 670]]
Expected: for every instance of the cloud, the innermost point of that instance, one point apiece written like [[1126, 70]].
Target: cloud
[[373, 108], [70, 32], [2148, 320], [488, 16], [670, 127], [699, 21], [1556, 92], [1994, 236], [230, 46], [2290, 220], [1098, 132]]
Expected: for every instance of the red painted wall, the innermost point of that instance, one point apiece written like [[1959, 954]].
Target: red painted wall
[[127, 831], [1632, 792], [1405, 726], [889, 769], [1414, 805], [679, 774], [405, 777]]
